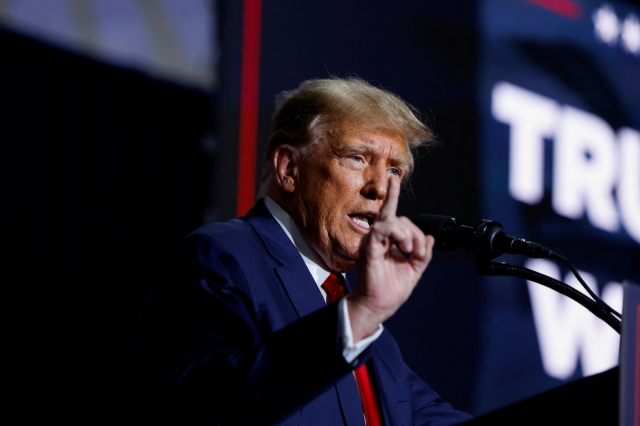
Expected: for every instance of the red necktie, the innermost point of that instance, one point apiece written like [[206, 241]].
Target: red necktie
[[334, 285]]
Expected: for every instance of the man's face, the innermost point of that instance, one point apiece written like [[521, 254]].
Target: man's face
[[341, 185]]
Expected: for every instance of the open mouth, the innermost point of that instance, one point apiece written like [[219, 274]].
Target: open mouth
[[362, 220]]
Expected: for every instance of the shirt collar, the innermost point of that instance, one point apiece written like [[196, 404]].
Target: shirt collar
[[310, 257]]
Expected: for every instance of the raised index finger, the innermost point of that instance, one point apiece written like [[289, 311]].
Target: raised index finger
[[390, 205]]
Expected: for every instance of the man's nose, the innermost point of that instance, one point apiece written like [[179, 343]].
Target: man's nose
[[376, 182]]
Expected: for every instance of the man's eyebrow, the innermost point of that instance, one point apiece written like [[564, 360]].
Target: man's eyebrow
[[400, 163], [355, 149]]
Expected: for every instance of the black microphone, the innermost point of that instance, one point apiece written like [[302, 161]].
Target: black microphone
[[487, 239]]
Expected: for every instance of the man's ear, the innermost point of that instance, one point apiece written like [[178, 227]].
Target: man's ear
[[285, 163]]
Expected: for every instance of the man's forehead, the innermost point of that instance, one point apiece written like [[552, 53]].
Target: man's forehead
[[378, 141]]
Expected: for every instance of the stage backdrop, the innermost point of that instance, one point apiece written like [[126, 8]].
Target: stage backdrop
[[559, 101]]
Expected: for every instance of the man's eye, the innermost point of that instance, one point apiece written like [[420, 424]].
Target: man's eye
[[357, 158], [395, 171]]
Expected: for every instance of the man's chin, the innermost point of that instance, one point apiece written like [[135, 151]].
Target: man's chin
[[342, 262]]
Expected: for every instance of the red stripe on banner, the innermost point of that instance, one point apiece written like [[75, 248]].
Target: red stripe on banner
[[249, 95], [568, 8], [636, 398]]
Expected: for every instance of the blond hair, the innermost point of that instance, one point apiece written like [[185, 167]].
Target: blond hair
[[316, 110]]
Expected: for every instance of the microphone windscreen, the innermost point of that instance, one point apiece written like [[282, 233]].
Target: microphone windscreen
[[432, 224]]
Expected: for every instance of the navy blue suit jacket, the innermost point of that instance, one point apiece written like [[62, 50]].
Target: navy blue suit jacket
[[243, 336]]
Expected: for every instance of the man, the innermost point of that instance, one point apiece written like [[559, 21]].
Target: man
[[247, 331]]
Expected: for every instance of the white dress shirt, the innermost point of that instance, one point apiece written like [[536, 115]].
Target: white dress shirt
[[350, 350]]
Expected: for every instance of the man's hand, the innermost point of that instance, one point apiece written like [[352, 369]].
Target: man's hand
[[386, 277]]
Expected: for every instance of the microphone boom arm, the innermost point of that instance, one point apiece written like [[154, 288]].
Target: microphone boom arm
[[505, 269], [489, 240]]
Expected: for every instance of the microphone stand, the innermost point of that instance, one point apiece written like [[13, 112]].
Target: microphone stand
[[488, 240]]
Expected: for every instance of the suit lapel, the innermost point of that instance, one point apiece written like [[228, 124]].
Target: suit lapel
[[350, 401], [300, 287], [303, 294], [387, 381], [292, 271], [387, 396]]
